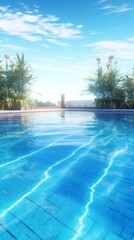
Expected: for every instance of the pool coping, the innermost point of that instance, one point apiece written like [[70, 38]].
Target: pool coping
[[67, 109]]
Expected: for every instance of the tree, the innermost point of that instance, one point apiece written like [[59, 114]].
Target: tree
[[5, 85], [23, 77], [16, 80], [107, 86]]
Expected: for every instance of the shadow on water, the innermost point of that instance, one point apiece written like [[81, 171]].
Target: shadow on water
[[14, 122]]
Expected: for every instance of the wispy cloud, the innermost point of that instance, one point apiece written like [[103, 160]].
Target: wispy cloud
[[14, 47], [33, 27], [131, 39], [24, 6], [107, 7], [3, 9], [101, 1], [54, 41], [46, 46], [79, 26], [113, 8], [121, 49], [121, 9], [112, 45], [94, 33]]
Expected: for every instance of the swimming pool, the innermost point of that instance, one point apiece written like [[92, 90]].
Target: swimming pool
[[66, 175]]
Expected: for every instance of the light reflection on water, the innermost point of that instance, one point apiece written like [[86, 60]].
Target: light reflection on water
[[77, 165]]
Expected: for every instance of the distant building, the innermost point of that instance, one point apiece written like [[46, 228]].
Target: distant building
[[75, 103], [80, 103]]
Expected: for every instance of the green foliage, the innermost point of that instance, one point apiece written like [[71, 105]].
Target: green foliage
[[6, 103], [109, 103], [15, 82], [128, 85], [22, 77], [110, 89], [129, 104], [44, 104]]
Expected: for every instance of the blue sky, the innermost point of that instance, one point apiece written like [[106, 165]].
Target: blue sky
[[62, 39]]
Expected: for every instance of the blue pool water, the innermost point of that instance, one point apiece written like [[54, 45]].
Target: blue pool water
[[67, 175]]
